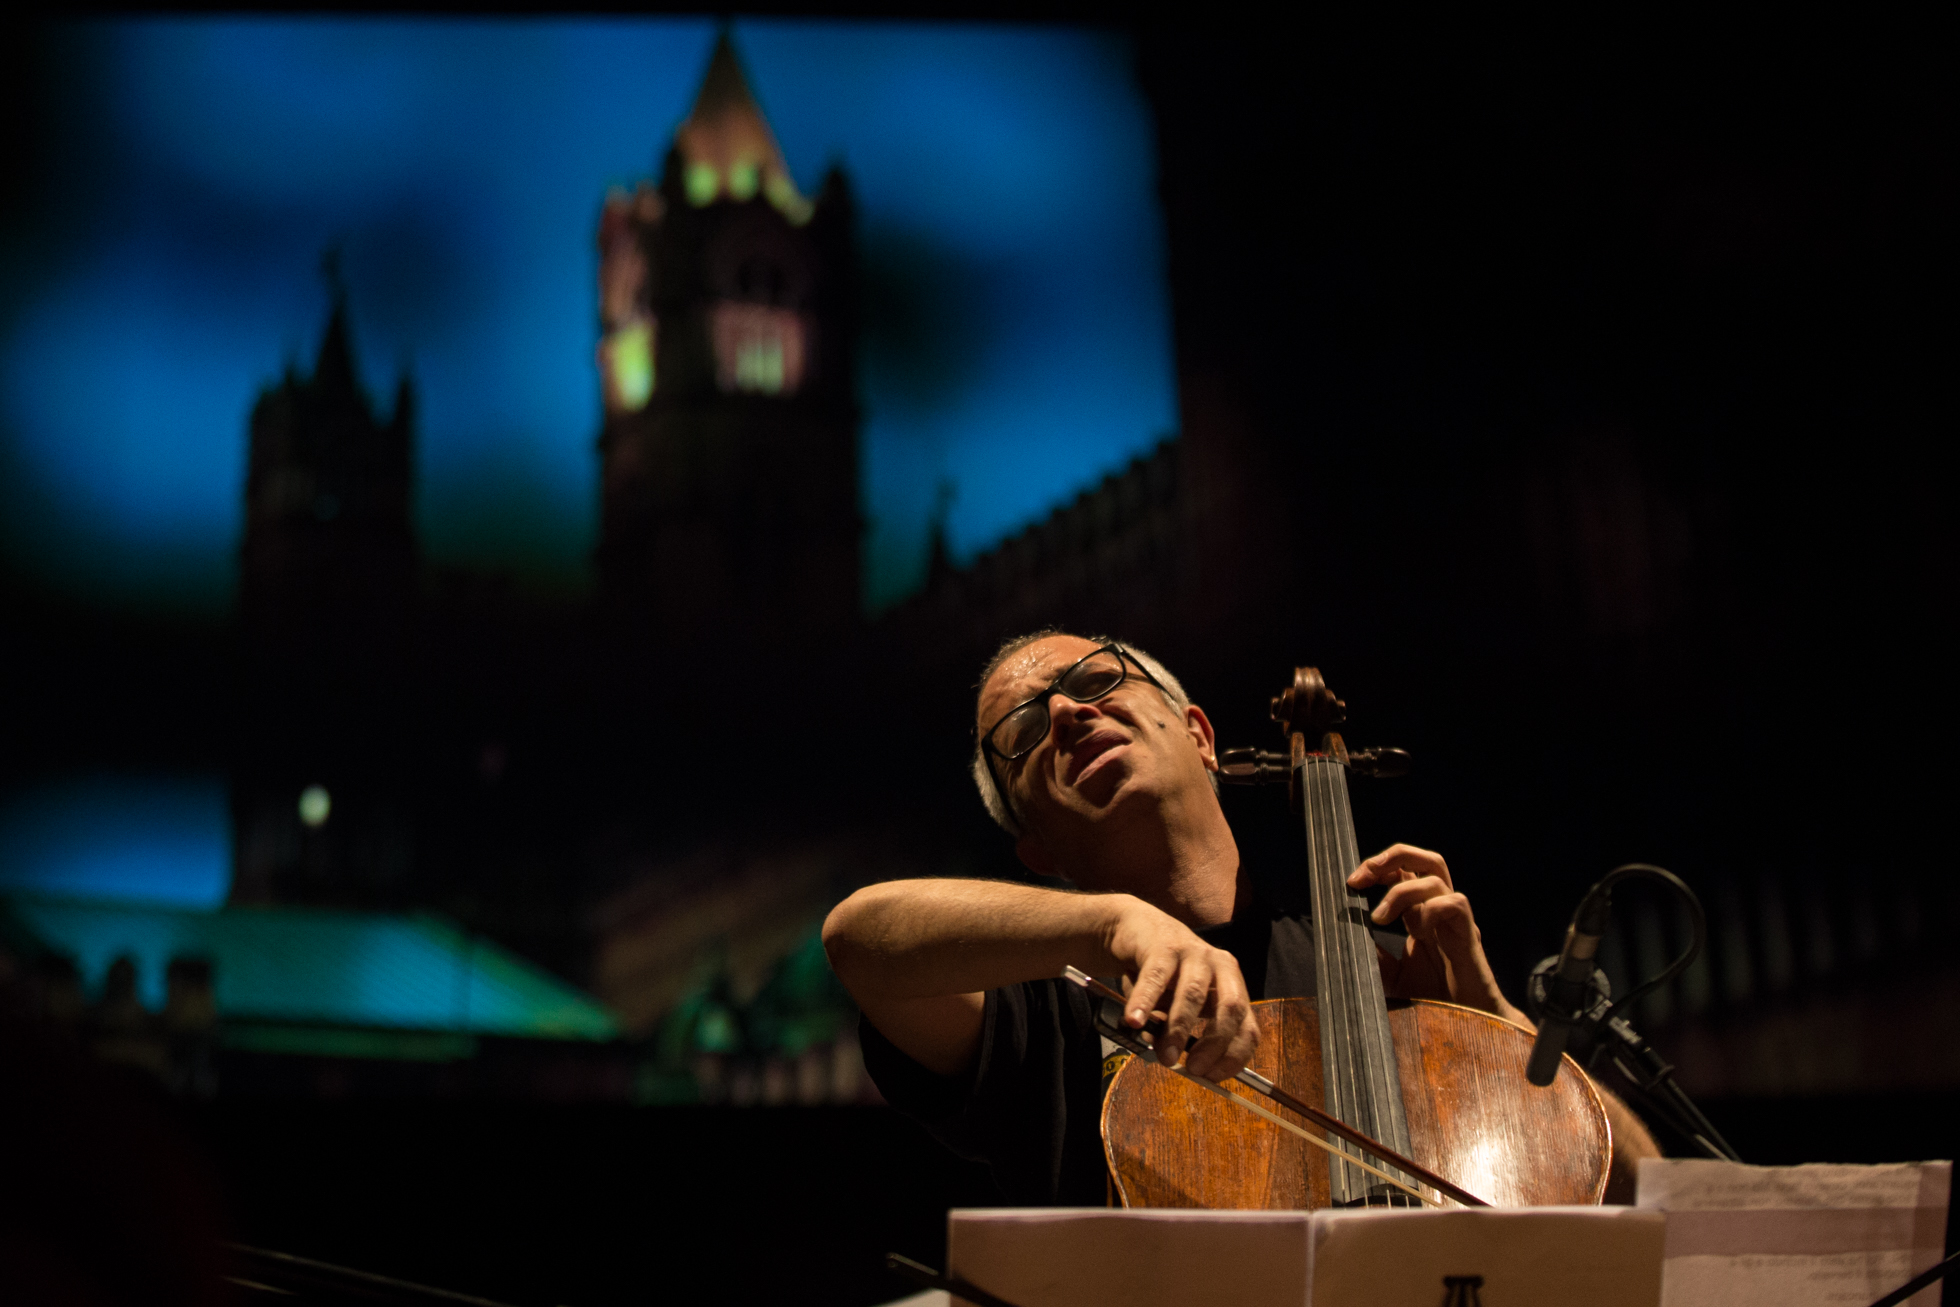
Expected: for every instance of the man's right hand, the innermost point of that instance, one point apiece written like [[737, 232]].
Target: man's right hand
[[918, 956], [1172, 969]]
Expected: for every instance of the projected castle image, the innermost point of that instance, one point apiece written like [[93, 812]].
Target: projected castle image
[[505, 765], [730, 467], [729, 515], [327, 595], [382, 708]]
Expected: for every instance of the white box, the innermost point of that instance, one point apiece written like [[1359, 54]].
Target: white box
[[1525, 1256], [1102, 1257], [1094, 1257]]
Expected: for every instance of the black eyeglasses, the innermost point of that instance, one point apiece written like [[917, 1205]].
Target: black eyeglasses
[[1092, 677]]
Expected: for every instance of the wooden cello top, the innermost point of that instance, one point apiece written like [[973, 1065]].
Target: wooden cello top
[[1471, 1117], [1440, 1083]]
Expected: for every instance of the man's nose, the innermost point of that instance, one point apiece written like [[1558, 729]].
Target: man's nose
[[1064, 712]]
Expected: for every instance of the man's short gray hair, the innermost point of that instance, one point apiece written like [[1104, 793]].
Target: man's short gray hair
[[983, 774]]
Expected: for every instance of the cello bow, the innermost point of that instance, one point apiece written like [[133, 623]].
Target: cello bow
[[1141, 1042]]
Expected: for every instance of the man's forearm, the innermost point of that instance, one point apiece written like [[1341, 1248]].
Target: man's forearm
[[922, 938]]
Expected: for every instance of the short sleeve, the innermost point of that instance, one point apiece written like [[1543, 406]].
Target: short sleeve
[[1030, 1108]]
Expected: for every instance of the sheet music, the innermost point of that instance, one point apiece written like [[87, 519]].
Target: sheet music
[[1819, 1235]]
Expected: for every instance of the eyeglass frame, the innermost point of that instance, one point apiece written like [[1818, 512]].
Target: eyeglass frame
[[1123, 656]]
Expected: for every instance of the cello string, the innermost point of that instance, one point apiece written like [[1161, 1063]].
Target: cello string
[[1280, 1121], [1327, 966], [1342, 963], [1354, 1066], [1363, 1052], [1138, 1045], [1324, 983], [1371, 1006], [1351, 959]]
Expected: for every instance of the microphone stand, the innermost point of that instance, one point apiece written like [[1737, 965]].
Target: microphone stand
[[1598, 1030], [1596, 1027], [1643, 1066]]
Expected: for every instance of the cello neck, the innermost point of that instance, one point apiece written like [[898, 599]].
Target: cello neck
[[1362, 1086]]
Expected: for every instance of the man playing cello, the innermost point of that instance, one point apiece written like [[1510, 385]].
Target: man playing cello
[[1092, 756]]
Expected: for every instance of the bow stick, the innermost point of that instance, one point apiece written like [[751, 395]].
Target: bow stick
[[1135, 1042]]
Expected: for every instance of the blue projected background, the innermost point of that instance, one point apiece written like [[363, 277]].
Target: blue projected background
[[1017, 335], [161, 840], [319, 965]]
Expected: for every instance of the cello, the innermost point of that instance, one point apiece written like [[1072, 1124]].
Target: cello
[[1433, 1083]]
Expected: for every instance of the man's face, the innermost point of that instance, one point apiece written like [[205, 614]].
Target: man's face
[[1098, 759]]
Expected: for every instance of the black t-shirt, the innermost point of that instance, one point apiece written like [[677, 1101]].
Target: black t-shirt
[[1031, 1108]]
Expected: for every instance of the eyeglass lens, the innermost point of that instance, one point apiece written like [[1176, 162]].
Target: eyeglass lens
[[1090, 679]]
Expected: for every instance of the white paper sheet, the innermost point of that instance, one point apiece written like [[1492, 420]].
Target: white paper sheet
[[1795, 1236], [930, 1298]]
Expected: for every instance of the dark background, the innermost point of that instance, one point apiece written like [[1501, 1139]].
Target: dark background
[[1575, 393], [1595, 369]]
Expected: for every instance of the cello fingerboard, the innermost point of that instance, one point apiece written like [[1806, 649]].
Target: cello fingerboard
[[1357, 1053]]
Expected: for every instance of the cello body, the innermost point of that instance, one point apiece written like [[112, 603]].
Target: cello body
[[1470, 1114], [1440, 1084]]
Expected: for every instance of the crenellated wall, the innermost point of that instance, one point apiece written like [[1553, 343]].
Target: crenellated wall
[[1115, 559]]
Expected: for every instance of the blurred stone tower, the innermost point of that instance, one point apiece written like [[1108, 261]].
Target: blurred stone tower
[[329, 556], [327, 588], [729, 517]]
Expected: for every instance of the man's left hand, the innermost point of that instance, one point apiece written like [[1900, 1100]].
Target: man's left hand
[[1445, 959]]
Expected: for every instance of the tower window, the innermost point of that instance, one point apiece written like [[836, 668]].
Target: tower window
[[703, 183], [759, 366], [759, 349], [626, 365]]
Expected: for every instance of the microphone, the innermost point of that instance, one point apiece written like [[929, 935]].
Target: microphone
[[1568, 989]]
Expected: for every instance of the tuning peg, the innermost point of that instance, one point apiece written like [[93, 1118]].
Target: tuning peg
[[1381, 763], [1252, 767]]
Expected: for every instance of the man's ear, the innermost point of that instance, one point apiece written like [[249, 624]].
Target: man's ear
[[1199, 725], [1034, 855]]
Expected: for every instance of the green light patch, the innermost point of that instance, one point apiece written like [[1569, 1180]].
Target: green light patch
[[702, 183], [326, 1041], [759, 365], [629, 366]]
